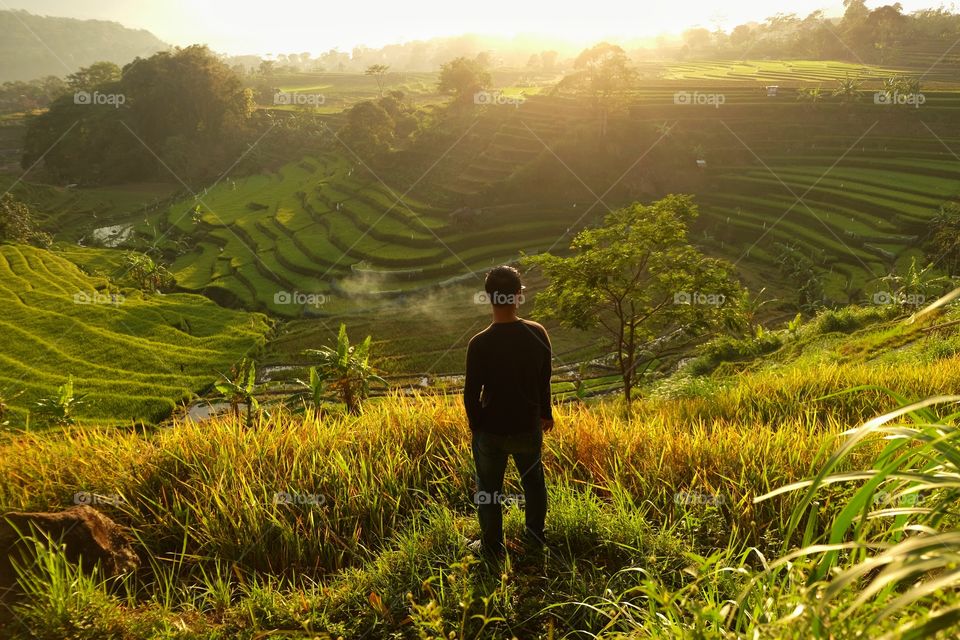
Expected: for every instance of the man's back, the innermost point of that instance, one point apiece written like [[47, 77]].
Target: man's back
[[507, 387]]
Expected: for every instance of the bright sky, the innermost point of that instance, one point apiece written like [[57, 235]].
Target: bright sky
[[287, 26]]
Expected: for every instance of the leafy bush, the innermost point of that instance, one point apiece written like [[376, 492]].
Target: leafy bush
[[730, 349], [847, 320]]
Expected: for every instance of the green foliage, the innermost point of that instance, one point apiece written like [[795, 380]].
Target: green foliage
[[60, 410], [731, 349], [463, 77], [639, 282], [369, 131], [646, 538], [800, 270], [894, 540], [847, 319], [347, 368], [373, 127], [810, 95], [38, 93], [148, 274], [917, 286], [17, 223], [848, 90], [63, 599], [128, 352], [314, 389], [942, 242], [239, 388], [188, 109], [378, 71], [601, 70], [96, 75]]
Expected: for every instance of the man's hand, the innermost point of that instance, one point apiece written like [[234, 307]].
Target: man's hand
[[546, 425]]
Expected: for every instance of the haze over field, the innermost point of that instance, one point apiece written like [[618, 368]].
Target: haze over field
[[238, 27]]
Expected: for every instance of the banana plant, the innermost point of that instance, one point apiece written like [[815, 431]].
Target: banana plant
[[314, 390], [239, 389], [148, 274], [61, 408], [848, 90], [811, 95], [348, 369]]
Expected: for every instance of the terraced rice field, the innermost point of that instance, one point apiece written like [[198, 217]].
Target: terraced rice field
[[136, 356], [73, 213], [339, 91], [932, 62], [314, 229], [857, 219], [788, 72], [864, 202]]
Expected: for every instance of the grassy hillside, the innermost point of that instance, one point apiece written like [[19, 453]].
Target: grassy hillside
[[135, 355], [72, 214], [654, 524]]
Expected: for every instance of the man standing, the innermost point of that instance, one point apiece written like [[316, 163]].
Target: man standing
[[507, 399]]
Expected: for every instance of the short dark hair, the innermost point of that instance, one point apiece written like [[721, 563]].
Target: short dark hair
[[503, 283]]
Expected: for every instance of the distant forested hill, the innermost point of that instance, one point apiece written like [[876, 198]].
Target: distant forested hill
[[34, 46]]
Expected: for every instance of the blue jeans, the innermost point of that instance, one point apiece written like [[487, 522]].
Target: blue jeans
[[490, 454]]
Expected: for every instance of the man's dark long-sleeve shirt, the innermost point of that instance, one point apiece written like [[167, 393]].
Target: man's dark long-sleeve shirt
[[507, 389]]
